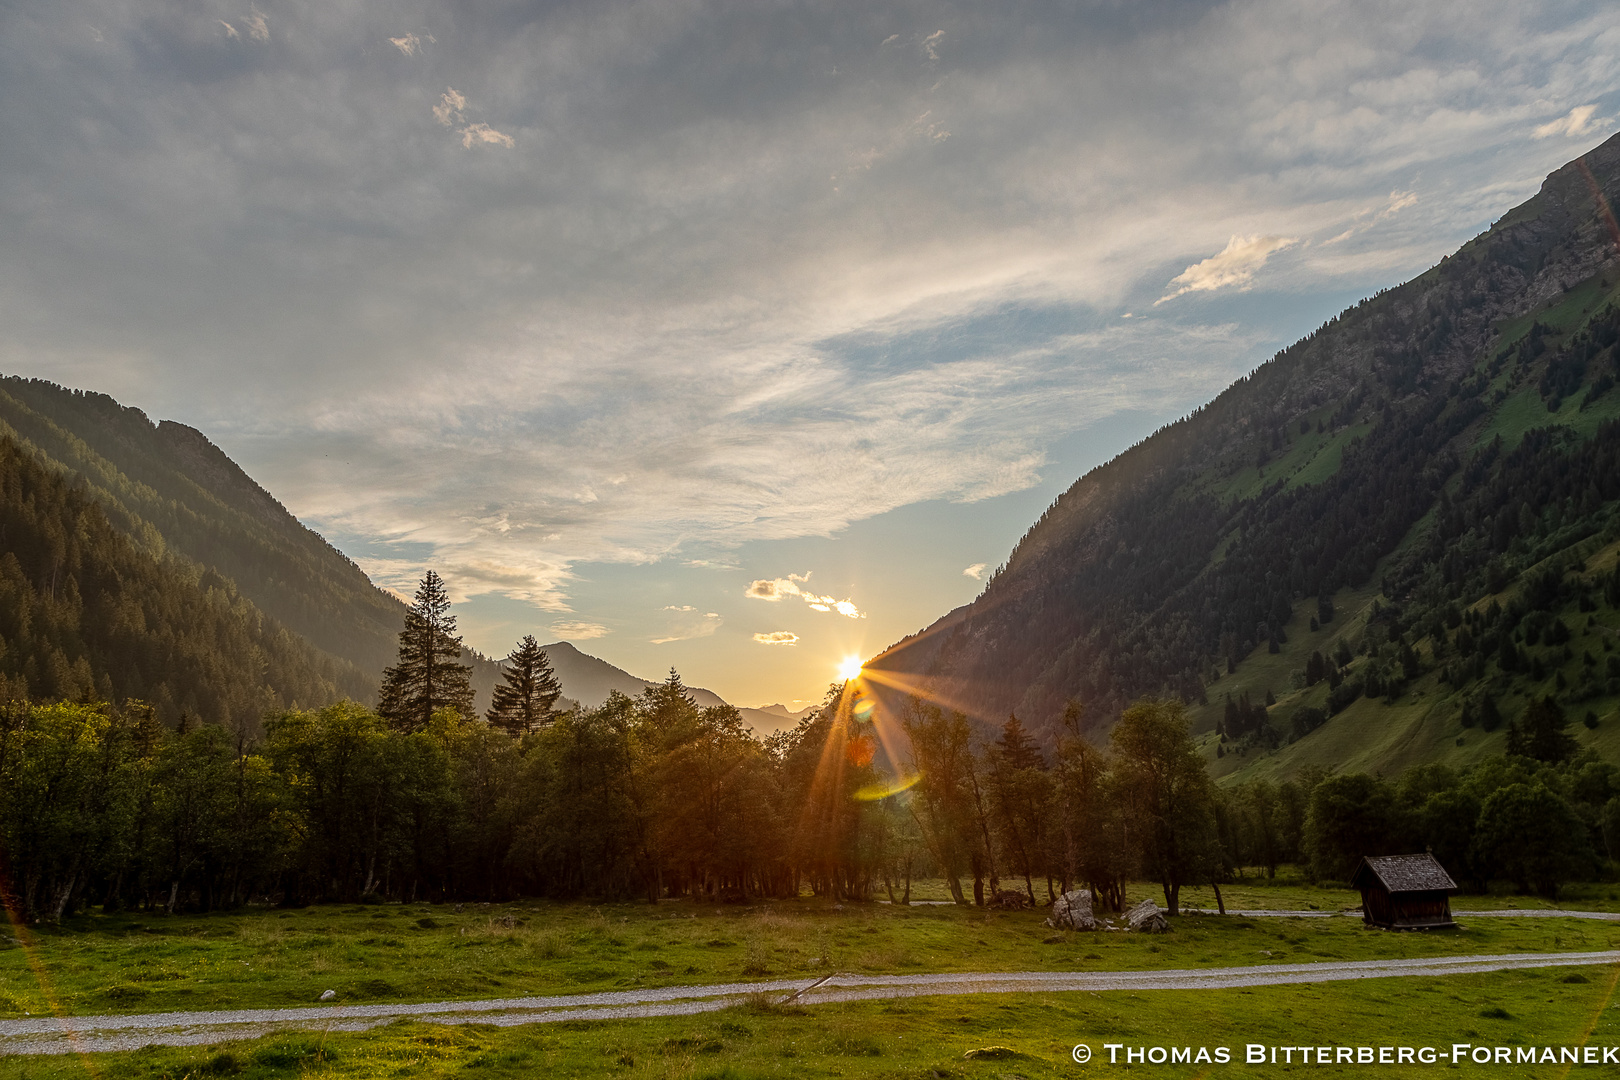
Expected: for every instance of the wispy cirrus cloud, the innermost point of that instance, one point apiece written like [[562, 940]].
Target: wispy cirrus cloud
[[258, 27], [687, 623], [1366, 219], [579, 630]]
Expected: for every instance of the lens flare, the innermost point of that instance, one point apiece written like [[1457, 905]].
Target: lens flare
[[849, 668], [886, 787], [862, 710]]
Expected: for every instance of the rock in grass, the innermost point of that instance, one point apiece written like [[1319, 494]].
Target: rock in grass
[[329, 995], [992, 1053], [1147, 918], [1010, 900], [1073, 912]]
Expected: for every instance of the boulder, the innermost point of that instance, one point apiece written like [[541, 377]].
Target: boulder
[[1147, 918], [1072, 911], [329, 995]]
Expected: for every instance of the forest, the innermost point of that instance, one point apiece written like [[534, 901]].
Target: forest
[[654, 797], [85, 614]]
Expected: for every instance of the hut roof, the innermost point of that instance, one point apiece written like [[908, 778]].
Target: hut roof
[[1403, 873]]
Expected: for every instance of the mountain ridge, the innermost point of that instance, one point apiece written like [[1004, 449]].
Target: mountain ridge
[[1305, 478], [589, 679]]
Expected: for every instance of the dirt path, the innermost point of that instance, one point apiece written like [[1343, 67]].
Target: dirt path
[[95, 1034]]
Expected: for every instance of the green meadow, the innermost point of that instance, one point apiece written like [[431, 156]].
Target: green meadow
[[1018, 1035], [133, 963]]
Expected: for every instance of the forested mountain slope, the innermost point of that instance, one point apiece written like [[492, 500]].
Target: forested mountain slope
[[174, 492], [588, 680], [85, 614], [179, 497], [1413, 510]]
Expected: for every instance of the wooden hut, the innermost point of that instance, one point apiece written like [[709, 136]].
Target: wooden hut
[[1404, 892]]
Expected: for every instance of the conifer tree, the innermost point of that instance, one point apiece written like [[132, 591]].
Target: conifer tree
[[428, 676], [524, 701], [1019, 750]]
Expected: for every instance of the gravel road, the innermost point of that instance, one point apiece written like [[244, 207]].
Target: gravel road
[[1516, 913], [103, 1033]]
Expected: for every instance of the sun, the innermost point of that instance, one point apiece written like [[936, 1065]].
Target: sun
[[849, 668]]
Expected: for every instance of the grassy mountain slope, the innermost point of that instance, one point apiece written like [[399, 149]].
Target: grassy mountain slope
[[1447, 451]]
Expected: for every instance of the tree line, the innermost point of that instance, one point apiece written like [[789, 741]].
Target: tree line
[[654, 797]]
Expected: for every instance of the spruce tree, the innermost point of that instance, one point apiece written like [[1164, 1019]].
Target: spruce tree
[[1017, 748], [524, 701], [428, 676]]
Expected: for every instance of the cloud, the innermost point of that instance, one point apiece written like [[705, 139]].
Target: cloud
[[976, 571], [689, 624], [579, 631], [230, 31], [258, 29], [1576, 122], [451, 110], [410, 44], [1366, 219], [482, 134], [777, 637], [930, 44], [448, 110], [675, 296], [1235, 264], [774, 589]]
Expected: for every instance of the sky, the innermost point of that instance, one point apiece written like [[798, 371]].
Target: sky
[[743, 337]]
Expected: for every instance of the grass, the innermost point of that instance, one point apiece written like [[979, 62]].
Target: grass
[[1565, 313], [1030, 1036], [1524, 409], [1309, 458], [264, 958], [1423, 725], [905, 1038]]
